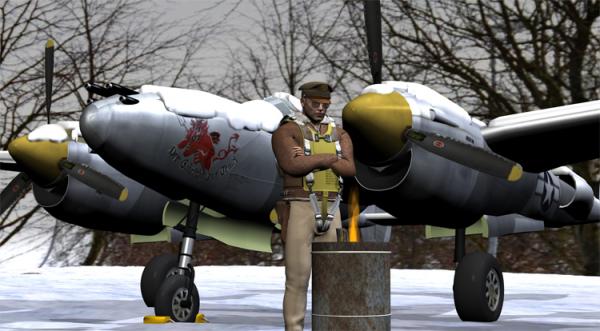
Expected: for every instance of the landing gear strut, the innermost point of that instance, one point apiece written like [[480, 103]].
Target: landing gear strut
[[177, 296], [478, 284]]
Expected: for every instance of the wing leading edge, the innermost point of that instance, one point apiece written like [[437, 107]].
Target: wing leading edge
[[545, 139]]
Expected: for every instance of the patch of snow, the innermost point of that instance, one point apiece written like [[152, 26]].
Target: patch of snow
[[73, 127], [425, 94], [252, 115], [29, 247], [5, 157], [50, 325], [478, 122], [256, 115], [250, 298], [562, 320], [294, 101], [192, 103], [422, 99], [15, 311], [378, 88], [51, 132]]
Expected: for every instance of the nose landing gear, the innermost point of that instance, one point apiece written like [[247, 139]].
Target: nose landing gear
[[168, 280]]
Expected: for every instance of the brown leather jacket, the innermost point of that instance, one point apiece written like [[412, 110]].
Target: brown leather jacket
[[295, 165]]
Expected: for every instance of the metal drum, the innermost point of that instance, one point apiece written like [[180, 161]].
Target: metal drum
[[351, 286]]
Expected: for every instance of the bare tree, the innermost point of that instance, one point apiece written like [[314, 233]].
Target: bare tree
[[120, 41], [277, 55], [23, 26], [502, 57], [541, 50], [492, 57], [340, 39]]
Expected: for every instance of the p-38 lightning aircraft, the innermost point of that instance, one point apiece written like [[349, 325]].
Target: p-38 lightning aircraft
[[420, 158]]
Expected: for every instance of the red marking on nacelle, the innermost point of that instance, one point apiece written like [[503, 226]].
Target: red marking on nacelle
[[439, 144]]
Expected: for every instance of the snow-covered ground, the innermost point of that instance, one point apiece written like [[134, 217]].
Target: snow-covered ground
[[249, 298]]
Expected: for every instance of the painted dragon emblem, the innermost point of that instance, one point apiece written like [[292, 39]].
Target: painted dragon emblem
[[200, 144]]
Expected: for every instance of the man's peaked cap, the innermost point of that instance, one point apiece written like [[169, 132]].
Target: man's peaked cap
[[316, 89]]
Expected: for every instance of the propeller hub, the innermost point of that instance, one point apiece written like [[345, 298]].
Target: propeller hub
[[377, 122], [40, 158]]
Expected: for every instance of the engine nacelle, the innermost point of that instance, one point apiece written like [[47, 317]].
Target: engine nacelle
[[76, 203], [418, 180]]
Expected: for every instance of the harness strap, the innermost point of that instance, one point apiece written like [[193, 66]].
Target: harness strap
[[322, 224]]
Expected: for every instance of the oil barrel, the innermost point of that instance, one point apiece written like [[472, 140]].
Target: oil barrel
[[351, 286]]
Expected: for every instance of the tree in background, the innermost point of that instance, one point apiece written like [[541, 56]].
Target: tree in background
[[502, 57], [493, 58], [278, 54], [117, 41], [497, 58]]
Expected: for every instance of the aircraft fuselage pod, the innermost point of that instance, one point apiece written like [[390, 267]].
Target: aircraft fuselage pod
[[404, 178], [184, 144], [195, 145]]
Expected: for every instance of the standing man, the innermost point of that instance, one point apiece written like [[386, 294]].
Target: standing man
[[313, 155]]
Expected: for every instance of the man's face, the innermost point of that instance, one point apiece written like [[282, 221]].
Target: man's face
[[315, 108]]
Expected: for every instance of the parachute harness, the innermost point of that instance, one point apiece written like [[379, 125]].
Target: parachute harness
[[324, 181]]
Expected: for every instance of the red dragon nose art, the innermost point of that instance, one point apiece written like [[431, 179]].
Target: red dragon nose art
[[199, 144]]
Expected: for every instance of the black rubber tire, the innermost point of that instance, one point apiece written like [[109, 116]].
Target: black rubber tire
[[154, 275], [471, 279], [172, 291]]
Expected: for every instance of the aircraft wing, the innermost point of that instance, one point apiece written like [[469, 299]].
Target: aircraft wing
[[545, 139]]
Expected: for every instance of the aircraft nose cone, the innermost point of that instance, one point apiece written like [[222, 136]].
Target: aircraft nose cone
[[39, 158], [377, 122], [95, 125]]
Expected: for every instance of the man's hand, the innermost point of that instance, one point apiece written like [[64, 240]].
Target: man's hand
[[326, 160], [297, 151], [329, 160]]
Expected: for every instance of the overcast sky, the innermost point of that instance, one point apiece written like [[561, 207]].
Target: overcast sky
[[236, 24]]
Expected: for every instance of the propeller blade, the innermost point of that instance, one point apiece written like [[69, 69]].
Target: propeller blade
[[8, 166], [49, 71], [470, 156], [7, 163], [95, 180], [373, 26], [14, 191]]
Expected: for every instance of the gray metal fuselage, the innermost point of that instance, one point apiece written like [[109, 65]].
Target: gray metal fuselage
[[74, 202], [235, 173], [230, 171]]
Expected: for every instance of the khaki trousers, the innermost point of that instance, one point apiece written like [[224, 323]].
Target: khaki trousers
[[298, 260]]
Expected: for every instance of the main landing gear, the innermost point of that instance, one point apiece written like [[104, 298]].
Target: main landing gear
[[478, 284], [168, 280]]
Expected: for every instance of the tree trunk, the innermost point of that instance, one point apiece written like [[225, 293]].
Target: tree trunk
[[588, 236], [98, 244]]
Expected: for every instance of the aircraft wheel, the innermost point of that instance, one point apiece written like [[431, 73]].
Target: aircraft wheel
[[173, 299], [478, 288], [155, 273]]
